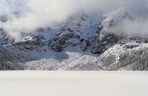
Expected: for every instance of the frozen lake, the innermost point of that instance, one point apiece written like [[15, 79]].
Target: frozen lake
[[31, 83]]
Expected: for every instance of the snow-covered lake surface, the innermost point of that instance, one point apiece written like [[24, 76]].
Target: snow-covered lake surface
[[30, 83]]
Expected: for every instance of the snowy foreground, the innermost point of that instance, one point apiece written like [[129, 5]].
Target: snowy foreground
[[30, 83]]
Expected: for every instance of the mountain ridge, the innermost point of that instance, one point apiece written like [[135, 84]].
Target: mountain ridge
[[83, 42]]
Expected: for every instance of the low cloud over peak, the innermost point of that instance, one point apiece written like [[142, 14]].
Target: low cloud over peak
[[37, 13]]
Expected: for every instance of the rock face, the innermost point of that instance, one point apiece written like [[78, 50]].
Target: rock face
[[4, 38], [9, 60], [84, 42]]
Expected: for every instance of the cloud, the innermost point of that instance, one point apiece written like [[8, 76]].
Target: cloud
[[36, 13]]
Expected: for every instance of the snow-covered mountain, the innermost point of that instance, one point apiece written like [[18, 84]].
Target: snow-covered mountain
[[83, 42]]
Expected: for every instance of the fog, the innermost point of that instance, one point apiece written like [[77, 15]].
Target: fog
[[37, 13]]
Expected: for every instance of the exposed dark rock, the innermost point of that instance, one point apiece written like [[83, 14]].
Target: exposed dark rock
[[4, 38], [30, 45], [57, 45], [9, 60], [130, 46], [84, 44]]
